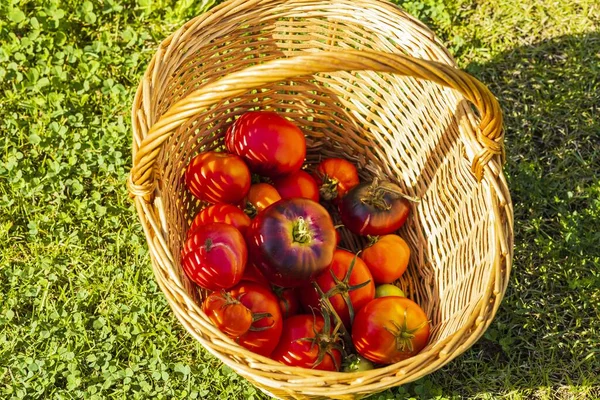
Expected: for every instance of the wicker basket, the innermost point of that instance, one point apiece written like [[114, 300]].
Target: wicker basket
[[366, 82]]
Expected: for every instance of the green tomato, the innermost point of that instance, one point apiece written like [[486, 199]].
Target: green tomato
[[388, 290], [356, 363]]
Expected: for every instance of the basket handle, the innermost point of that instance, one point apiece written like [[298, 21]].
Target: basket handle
[[141, 180]]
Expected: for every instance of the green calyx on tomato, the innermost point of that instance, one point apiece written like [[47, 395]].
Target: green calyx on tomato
[[257, 317], [343, 288], [404, 336], [325, 340], [301, 231], [329, 188]]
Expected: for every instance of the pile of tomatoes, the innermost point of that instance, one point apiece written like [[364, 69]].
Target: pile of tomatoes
[[267, 249]]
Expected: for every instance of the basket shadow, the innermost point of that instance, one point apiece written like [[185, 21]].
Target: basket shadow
[[542, 340]]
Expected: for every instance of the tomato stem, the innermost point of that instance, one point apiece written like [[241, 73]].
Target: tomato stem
[[329, 189], [404, 335], [257, 317], [301, 232], [339, 325], [208, 243], [250, 209]]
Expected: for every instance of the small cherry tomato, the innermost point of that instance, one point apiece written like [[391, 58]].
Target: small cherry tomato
[[307, 342], [214, 257], [270, 144], [297, 184], [387, 258], [218, 177], [335, 177], [221, 212], [390, 329], [388, 290], [228, 314], [259, 197], [356, 363], [374, 208], [264, 334]]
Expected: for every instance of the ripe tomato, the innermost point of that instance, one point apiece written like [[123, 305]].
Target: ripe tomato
[[374, 208], [292, 241], [259, 197], [264, 334], [218, 177], [306, 342], [228, 314], [253, 274], [297, 184], [335, 176], [388, 290], [214, 256], [288, 301], [348, 284], [390, 329], [270, 144], [387, 258], [221, 212]]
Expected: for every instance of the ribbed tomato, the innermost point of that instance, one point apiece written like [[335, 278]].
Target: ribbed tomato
[[218, 177], [335, 177], [214, 256], [374, 208], [228, 314], [292, 241], [270, 144], [221, 212]]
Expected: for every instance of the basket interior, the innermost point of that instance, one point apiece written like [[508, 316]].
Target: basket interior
[[407, 130]]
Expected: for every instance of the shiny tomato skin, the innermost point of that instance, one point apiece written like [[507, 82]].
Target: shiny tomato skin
[[259, 197], [264, 334], [342, 259], [297, 184], [374, 209], [387, 258], [292, 241], [218, 177], [214, 257], [380, 322], [294, 351], [335, 177], [270, 144], [228, 314], [221, 212]]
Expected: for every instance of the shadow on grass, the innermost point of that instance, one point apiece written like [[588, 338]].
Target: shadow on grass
[[545, 340]]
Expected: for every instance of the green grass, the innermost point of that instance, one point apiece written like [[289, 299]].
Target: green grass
[[80, 313]]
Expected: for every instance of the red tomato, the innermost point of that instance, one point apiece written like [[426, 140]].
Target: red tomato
[[387, 258], [390, 329], [292, 241], [297, 184], [306, 342], [270, 144], [260, 196], [253, 274], [352, 284], [225, 213], [288, 301], [374, 209], [228, 314], [218, 177], [264, 334], [214, 256], [335, 176]]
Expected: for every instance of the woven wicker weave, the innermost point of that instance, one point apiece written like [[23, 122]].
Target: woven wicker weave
[[367, 82]]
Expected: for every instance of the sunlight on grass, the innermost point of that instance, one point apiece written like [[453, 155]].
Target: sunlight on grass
[[80, 313]]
